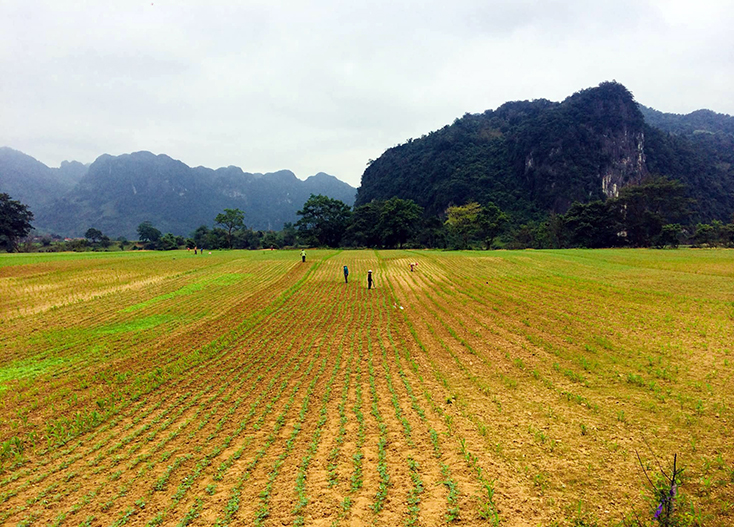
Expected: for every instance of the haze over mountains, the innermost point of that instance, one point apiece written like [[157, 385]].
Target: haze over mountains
[[531, 158], [117, 193]]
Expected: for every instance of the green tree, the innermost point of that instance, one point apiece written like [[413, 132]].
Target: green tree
[[105, 241], [216, 239], [148, 233], [718, 232], [231, 219], [592, 225], [399, 219], [433, 233], [492, 221], [705, 234], [272, 240], [463, 221], [554, 230], [200, 236], [323, 220], [167, 242], [646, 207], [289, 234], [669, 235], [15, 222], [93, 234], [364, 227], [727, 235]]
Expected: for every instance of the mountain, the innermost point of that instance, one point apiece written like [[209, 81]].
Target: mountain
[[698, 122], [698, 149], [536, 157], [117, 193], [33, 183]]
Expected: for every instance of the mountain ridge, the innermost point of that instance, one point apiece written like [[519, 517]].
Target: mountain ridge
[[535, 158], [117, 193]]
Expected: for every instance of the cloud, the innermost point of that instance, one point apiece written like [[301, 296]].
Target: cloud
[[326, 85]]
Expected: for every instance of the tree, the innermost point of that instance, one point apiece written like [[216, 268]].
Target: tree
[[670, 235], [272, 239], [492, 222], [105, 241], [433, 233], [232, 219], [463, 221], [200, 236], [93, 234], [399, 219], [216, 239], [167, 242], [363, 229], [15, 222], [148, 233], [646, 207], [323, 220], [704, 234], [289, 234], [592, 225]]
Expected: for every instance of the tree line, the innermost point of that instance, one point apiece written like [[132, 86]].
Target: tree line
[[655, 213]]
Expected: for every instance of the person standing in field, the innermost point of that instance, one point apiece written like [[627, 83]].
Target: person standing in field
[[346, 274], [303, 255], [369, 279]]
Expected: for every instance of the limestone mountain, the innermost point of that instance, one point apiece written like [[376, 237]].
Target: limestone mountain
[[33, 183], [536, 157], [117, 193]]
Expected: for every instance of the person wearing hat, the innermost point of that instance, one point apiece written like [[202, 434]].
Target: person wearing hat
[[369, 279]]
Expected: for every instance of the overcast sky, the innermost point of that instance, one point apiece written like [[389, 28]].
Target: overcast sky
[[327, 85]]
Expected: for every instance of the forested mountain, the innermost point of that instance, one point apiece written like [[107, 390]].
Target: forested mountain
[[698, 122], [536, 157], [33, 183], [117, 193]]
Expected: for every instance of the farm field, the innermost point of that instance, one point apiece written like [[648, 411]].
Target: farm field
[[248, 388]]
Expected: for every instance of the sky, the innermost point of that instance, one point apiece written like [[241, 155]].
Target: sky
[[327, 85]]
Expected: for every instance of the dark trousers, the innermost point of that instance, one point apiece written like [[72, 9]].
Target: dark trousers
[[303, 259]]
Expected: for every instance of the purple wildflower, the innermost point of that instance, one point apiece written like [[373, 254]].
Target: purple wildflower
[[659, 511]]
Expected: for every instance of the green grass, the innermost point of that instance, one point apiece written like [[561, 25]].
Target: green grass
[[29, 368]]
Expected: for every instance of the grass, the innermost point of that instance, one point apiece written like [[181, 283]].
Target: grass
[[246, 387]]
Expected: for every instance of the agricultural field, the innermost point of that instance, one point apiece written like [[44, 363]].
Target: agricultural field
[[528, 388]]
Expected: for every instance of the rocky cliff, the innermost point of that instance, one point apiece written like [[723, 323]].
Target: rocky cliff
[[530, 157]]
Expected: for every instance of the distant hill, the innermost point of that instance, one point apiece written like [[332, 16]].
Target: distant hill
[[33, 183], [698, 149], [116, 193], [536, 157], [700, 121]]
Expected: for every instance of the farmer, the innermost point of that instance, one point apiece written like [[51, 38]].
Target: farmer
[[303, 255], [369, 279], [346, 274]]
